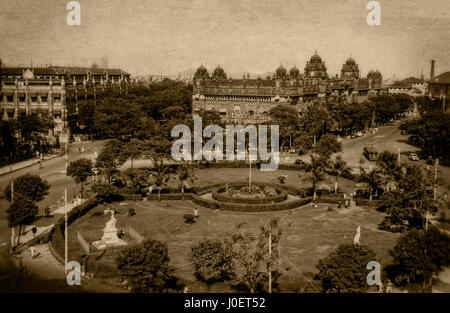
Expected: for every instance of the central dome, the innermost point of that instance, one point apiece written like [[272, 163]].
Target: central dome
[[316, 58], [350, 61]]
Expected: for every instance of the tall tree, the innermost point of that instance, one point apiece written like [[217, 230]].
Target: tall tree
[[28, 186], [287, 118], [212, 260], [338, 167], [21, 212], [317, 170], [344, 270], [147, 267], [252, 259], [80, 170], [110, 158], [328, 145], [370, 177], [418, 255], [133, 150], [185, 173]]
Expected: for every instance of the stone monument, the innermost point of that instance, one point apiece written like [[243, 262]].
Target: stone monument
[[110, 238]]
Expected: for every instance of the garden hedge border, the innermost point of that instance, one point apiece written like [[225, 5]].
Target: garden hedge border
[[241, 207], [219, 195], [56, 236]]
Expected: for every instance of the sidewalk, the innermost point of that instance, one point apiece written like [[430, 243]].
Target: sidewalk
[[23, 164]]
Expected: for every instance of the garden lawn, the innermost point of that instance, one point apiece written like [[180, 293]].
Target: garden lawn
[[308, 234]]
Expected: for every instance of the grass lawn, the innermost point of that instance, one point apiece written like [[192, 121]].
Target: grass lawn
[[224, 175], [308, 234]]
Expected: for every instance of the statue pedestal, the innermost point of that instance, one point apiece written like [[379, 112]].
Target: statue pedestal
[[110, 238]]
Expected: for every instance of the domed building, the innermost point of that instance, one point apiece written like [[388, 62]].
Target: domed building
[[201, 72], [315, 68], [294, 72], [280, 72], [219, 73], [249, 100], [350, 70], [375, 79]]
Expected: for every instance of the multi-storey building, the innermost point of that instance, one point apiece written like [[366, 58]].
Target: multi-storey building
[[250, 100], [51, 89]]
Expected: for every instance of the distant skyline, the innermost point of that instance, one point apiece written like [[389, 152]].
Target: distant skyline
[[166, 37]]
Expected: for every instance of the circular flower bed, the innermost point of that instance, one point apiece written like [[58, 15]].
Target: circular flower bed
[[239, 193]]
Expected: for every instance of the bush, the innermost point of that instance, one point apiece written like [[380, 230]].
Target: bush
[[344, 270], [238, 207], [418, 255], [107, 192], [189, 218], [212, 260], [57, 232], [146, 266], [220, 195]]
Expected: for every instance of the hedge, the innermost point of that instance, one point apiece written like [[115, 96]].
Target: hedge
[[57, 232], [239, 207], [219, 195], [169, 196], [367, 202]]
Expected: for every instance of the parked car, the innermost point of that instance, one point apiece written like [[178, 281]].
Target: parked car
[[413, 157], [359, 134]]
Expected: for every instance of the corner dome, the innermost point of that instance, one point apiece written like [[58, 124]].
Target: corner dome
[[219, 73], [201, 72], [280, 72]]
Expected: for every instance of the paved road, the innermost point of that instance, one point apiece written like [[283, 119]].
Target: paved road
[[52, 171]]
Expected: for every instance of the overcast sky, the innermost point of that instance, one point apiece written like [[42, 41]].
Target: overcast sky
[[169, 36]]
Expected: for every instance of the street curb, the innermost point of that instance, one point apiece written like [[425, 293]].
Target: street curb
[[26, 166]]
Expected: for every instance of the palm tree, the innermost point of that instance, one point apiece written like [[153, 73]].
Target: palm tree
[[317, 172], [161, 177], [371, 178], [185, 173], [338, 167]]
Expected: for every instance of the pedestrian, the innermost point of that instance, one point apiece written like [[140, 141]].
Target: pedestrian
[[389, 287], [195, 213], [33, 252]]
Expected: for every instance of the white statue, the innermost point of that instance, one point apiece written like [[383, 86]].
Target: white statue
[[357, 236], [110, 237]]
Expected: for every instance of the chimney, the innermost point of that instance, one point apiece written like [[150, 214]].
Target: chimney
[[432, 71]]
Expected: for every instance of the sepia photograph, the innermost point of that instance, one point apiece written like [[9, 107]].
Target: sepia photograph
[[229, 153]]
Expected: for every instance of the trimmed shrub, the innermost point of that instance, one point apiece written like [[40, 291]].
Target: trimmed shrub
[[220, 195], [189, 218], [212, 260], [238, 207], [107, 192]]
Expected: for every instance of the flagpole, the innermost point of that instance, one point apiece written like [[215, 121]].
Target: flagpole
[[65, 230], [13, 229]]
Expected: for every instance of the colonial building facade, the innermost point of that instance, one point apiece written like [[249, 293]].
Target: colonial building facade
[[49, 90], [248, 100]]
